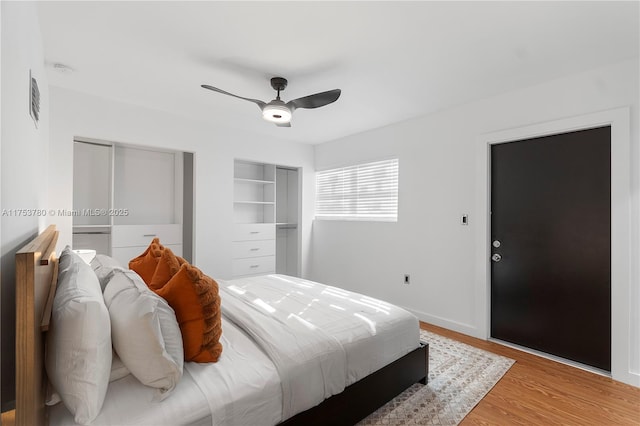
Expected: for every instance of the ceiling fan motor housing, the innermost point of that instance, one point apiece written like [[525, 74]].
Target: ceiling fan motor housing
[[278, 83]]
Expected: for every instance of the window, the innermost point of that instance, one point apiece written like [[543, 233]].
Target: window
[[361, 192]]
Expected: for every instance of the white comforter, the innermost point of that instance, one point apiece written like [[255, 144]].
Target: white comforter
[[320, 338], [311, 363]]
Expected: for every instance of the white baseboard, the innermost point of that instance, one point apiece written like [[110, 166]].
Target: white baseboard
[[467, 329], [629, 378]]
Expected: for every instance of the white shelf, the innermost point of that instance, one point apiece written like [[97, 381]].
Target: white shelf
[[90, 226], [254, 192], [248, 171], [252, 223], [254, 181], [264, 203]]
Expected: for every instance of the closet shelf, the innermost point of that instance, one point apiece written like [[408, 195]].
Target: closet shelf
[[253, 181], [264, 203]]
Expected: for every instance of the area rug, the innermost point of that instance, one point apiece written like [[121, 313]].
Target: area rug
[[459, 377]]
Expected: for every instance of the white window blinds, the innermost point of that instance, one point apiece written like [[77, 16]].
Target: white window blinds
[[361, 192]]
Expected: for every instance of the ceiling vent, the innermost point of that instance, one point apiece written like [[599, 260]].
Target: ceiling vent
[[62, 68], [35, 99]]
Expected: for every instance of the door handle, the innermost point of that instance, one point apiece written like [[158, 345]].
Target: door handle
[[496, 257]]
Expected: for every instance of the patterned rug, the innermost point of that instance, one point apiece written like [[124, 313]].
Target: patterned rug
[[459, 377]]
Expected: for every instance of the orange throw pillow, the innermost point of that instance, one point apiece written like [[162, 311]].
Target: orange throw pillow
[[195, 300], [168, 265], [145, 264]]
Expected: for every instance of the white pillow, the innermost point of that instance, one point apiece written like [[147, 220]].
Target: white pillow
[[118, 369], [145, 332], [78, 359], [104, 266]]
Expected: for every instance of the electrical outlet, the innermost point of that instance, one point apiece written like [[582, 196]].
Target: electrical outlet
[[407, 279]]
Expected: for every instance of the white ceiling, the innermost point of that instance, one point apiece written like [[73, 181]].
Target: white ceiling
[[392, 60]]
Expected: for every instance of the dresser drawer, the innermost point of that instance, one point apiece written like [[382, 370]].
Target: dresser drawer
[[141, 235], [257, 248], [254, 231], [125, 254], [254, 266]]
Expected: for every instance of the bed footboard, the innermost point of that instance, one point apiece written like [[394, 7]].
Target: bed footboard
[[365, 396]]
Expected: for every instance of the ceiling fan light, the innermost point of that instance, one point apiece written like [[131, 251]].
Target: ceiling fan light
[[276, 113]]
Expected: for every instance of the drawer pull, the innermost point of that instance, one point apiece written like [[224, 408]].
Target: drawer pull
[[254, 266], [254, 232], [149, 235], [254, 249]]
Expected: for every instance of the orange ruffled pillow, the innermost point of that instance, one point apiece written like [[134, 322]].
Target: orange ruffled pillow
[[145, 264], [167, 266], [195, 300]]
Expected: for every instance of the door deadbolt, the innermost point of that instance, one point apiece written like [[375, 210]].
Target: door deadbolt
[[496, 257], [496, 243]]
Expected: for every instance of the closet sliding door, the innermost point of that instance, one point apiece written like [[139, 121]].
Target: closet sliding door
[[92, 166]]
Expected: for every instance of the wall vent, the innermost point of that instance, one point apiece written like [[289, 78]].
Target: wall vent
[[34, 102]]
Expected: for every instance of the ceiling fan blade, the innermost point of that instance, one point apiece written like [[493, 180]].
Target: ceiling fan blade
[[316, 100], [215, 89], [283, 124]]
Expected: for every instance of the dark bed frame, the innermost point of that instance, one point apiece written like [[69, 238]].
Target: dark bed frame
[[365, 396], [36, 279]]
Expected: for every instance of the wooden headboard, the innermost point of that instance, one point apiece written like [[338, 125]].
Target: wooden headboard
[[36, 278]]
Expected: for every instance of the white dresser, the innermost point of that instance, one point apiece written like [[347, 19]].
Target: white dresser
[[254, 249], [129, 241]]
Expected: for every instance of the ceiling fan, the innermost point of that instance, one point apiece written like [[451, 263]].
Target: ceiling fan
[[279, 112]]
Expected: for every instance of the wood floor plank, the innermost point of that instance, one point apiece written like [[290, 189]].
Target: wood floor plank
[[8, 418], [539, 391]]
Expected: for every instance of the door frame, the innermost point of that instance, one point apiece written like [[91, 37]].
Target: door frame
[[619, 120]]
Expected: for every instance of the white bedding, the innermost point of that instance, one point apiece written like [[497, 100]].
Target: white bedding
[[244, 387], [311, 363], [248, 389], [372, 332]]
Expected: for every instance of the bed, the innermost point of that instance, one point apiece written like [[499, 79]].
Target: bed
[[246, 386]]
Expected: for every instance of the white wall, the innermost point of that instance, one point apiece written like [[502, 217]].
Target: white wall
[[79, 115], [23, 159], [0, 207], [438, 174]]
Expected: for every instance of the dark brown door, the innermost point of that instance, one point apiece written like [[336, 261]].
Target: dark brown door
[[551, 221]]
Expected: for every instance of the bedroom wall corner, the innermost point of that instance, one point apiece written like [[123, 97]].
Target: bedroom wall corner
[[634, 293], [24, 161]]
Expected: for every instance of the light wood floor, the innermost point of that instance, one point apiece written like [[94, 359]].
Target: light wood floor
[[538, 391], [9, 418]]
